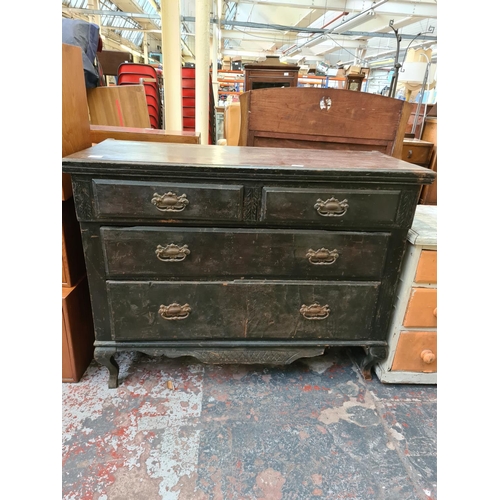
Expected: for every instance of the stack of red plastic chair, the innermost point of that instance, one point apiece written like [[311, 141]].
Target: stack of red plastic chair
[[145, 74]]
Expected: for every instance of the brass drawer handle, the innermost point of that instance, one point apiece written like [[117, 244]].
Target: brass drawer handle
[[170, 202], [172, 253], [174, 311], [322, 257], [410, 154], [428, 356], [331, 207], [315, 311]]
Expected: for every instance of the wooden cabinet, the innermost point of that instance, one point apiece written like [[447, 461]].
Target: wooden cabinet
[[77, 331], [412, 355], [240, 255], [270, 74]]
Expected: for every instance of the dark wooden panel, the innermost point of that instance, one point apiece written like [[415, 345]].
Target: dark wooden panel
[[372, 207], [243, 310], [73, 262], [134, 199], [120, 158], [245, 253]]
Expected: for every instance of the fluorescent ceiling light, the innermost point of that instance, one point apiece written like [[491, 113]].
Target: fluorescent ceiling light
[[353, 22]]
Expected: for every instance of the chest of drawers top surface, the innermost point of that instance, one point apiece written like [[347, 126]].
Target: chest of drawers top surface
[[140, 158]]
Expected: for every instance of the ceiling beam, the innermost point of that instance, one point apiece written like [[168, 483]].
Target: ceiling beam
[[424, 8]]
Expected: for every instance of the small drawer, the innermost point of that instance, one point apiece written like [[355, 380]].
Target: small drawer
[[417, 154], [422, 308], [243, 309], [336, 207], [416, 352], [427, 267], [161, 200], [250, 253]]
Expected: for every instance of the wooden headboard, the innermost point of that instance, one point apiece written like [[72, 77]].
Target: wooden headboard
[[316, 118]]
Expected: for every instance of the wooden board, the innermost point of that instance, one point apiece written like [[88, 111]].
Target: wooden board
[[121, 106], [322, 119], [100, 133], [75, 116], [77, 331]]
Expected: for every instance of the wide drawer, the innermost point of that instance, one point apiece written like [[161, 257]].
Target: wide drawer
[[416, 352], [354, 208], [165, 200], [242, 310], [199, 252]]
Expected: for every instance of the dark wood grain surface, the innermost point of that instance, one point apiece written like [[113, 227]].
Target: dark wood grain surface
[[243, 253], [243, 310], [113, 156]]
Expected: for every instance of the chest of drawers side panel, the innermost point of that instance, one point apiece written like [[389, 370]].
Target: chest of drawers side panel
[[96, 275]]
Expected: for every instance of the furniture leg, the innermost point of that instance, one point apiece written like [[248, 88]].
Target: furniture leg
[[105, 357], [374, 354]]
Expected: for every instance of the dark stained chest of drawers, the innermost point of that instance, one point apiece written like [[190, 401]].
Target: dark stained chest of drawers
[[240, 254]]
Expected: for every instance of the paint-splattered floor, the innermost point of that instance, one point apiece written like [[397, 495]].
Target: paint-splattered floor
[[314, 429]]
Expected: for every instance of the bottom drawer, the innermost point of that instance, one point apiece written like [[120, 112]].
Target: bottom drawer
[[243, 309], [416, 352]]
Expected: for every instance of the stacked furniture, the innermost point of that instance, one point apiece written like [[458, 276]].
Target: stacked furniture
[[189, 103], [145, 74], [323, 119], [188, 99], [240, 254], [412, 338]]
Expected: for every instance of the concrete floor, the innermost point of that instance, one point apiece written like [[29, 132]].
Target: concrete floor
[[314, 429]]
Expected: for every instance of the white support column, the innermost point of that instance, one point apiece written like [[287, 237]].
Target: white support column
[[172, 62], [215, 52], [145, 48], [202, 55]]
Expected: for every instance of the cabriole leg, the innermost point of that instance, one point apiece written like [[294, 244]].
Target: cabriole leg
[[374, 354], [105, 356]]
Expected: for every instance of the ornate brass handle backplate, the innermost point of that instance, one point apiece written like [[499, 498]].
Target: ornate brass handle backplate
[[331, 207], [315, 311], [170, 202], [172, 252], [322, 257], [174, 311]]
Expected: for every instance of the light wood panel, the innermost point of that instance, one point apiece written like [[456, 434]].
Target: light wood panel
[[121, 106], [75, 115], [99, 133], [77, 331], [427, 267], [422, 308]]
